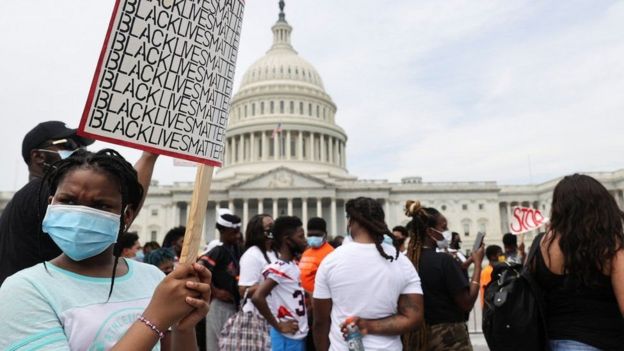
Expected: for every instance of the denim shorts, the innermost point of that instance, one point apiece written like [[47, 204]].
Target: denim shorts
[[570, 345]]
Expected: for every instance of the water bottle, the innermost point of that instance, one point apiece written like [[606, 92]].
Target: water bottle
[[353, 337]]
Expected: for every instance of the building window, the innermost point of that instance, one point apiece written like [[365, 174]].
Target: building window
[[465, 207], [301, 108], [245, 110], [153, 235], [443, 207], [272, 107], [466, 227], [483, 226], [292, 107], [281, 106], [253, 109], [318, 113], [262, 108], [154, 212], [310, 110], [481, 206]]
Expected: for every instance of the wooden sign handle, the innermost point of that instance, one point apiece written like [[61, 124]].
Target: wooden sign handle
[[197, 214]]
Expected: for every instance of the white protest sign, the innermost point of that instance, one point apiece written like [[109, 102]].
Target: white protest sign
[[164, 78], [524, 219]]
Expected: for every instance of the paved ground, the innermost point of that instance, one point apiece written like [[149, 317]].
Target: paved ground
[[478, 342]]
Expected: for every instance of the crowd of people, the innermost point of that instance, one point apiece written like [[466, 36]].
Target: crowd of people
[[73, 277]]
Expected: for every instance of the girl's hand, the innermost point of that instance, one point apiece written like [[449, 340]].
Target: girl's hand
[[199, 303]]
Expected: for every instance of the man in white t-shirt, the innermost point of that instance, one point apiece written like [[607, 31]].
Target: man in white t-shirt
[[368, 280], [280, 299]]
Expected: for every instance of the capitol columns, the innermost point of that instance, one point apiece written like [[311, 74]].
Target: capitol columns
[[252, 147], [304, 210], [275, 208], [300, 146], [330, 146], [231, 205], [260, 206], [288, 145], [245, 211], [334, 224], [319, 207], [322, 148], [265, 148], [290, 206]]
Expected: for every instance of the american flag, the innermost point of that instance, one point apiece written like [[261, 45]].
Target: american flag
[[277, 130]]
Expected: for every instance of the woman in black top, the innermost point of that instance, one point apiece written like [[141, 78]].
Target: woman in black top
[[448, 294], [580, 267]]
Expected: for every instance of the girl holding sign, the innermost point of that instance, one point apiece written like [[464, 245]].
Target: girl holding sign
[[580, 267], [88, 298]]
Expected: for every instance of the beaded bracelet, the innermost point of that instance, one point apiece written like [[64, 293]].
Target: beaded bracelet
[[152, 327]]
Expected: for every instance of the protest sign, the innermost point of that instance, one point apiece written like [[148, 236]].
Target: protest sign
[[524, 219], [164, 78]]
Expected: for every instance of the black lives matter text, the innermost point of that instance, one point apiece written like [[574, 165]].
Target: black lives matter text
[[166, 78]]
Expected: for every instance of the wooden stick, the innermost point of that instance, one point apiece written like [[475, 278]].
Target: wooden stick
[[196, 214]]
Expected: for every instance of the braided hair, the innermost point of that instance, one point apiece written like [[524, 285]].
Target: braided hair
[[422, 219], [256, 236], [368, 213], [106, 161]]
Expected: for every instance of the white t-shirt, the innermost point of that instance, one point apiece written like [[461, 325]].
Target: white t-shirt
[[287, 299], [61, 310], [251, 265], [362, 283]]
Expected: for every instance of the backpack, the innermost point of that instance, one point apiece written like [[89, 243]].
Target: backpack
[[513, 317]]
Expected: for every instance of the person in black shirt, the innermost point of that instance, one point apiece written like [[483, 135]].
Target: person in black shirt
[[448, 295], [224, 263], [22, 243]]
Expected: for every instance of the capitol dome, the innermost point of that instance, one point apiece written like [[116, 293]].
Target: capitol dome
[[281, 116]]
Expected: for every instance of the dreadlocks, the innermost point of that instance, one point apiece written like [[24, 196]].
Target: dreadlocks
[[114, 165], [422, 218], [369, 214]]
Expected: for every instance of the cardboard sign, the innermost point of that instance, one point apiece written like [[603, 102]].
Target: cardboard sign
[[164, 78], [524, 219]]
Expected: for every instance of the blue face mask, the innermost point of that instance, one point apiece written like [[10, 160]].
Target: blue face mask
[[140, 256], [315, 241], [81, 232], [388, 239]]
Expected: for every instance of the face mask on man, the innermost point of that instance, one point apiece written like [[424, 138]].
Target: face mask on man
[[447, 236], [140, 256], [316, 241], [81, 232]]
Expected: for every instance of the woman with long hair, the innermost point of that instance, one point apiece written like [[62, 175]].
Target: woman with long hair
[[88, 298], [580, 267], [448, 294]]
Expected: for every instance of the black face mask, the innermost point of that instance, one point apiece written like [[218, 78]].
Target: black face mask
[[400, 241]]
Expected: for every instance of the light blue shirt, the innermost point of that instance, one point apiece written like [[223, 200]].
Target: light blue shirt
[[55, 309]]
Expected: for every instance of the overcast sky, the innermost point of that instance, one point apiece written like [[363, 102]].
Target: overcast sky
[[512, 91]]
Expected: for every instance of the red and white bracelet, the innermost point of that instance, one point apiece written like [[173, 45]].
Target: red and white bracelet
[[153, 327]]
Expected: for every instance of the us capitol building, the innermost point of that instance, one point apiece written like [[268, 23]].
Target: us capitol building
[[287, 156]]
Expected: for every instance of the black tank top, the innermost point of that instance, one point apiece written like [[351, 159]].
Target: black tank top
[[574, 312]]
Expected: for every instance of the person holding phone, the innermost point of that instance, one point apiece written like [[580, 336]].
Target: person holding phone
[[448, 294]]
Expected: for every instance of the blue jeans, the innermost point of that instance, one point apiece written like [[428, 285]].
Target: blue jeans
[[281, 343], [570, 345]]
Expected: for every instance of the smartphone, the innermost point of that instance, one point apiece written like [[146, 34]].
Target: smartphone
[[478, 241]]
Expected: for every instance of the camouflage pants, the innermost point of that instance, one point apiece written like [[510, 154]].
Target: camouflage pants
[[448, 337]]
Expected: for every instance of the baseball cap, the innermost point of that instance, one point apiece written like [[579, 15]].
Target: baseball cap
[[50, 130]]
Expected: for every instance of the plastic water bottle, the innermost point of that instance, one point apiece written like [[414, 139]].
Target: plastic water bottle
[[354, 336]]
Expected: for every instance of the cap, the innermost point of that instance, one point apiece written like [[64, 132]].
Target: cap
[[317, 223], [50, 130]]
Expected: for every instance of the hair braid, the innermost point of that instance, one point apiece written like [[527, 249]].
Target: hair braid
[[369, 214], [422, 218]]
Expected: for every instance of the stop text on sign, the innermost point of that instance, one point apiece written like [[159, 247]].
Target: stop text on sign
[[525, 219]]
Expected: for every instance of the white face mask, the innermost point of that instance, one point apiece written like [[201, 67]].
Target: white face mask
[[444, 243]]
